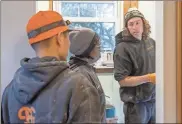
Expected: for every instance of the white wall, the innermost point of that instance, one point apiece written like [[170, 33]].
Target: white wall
[[42, 5], [111, 89], [14, 42], [148, 9], [159, 63]]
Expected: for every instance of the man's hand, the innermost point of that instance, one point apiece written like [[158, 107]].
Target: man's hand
[[152, 78]]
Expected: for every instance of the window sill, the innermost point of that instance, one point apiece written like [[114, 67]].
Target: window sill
[[104, 69]]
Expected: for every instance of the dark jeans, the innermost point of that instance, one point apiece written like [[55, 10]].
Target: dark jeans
[[140, 112]]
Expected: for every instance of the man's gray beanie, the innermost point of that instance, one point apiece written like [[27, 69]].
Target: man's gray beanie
[[132, 12], [81, 40]]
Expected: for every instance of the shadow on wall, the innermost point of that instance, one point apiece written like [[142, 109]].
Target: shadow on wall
[[11, 57], [23, 49], [14, 41]]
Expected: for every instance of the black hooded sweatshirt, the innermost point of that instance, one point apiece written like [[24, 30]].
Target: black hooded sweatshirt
[[45, 90], [133, 57]]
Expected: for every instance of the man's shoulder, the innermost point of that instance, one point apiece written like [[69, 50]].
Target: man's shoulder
[[122, 47], [77, 78], [84, 69], [151, 39]]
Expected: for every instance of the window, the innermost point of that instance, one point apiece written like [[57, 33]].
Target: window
[[101, 16]]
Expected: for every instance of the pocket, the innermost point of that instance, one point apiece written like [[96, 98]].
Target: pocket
[[128, 95], [145, 92]]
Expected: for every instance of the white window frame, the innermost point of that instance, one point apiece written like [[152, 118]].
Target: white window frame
[[117, 20]]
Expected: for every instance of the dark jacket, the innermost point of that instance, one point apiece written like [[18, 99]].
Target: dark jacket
[[133, 57], [46, 91], [80, 65]]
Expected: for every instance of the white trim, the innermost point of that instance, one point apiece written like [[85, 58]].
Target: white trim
[[119, 16], [88, 1], [42, 5], [37, 6], [56, 6], [159, 61], [90, 19], [117, 19]]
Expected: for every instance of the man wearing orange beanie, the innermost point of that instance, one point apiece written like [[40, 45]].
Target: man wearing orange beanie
[[44, 89], [134, 68]]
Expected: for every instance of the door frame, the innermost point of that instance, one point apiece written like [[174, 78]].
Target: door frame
[[179, 62]]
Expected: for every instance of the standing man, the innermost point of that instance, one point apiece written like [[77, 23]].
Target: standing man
[[85, 47], [134, 68], [44, 89]]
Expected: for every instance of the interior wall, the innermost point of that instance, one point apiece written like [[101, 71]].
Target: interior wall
[[148, 9], [42, 5], [14, 41]]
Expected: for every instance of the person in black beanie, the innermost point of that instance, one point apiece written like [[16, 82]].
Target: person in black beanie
[[85, 47]]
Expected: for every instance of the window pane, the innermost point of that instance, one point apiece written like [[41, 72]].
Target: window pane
[[105, 10], [69, 9], [74, 9], [88, 10], [104, 29]]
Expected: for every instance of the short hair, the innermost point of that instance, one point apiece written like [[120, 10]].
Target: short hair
[[45, 43]]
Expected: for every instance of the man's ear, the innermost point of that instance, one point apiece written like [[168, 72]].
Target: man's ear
[[60, 39]]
